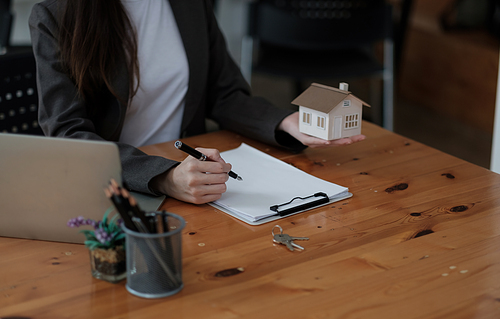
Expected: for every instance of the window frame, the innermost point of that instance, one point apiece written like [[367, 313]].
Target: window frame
[[351, 121], [321, 122], [306, 118]]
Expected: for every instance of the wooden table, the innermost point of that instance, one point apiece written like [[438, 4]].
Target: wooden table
[[420, 238]]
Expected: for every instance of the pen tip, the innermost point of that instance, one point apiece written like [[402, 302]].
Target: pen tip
[[239, 178]]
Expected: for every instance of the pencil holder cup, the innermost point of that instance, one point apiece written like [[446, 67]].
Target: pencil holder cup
[[154, 260]]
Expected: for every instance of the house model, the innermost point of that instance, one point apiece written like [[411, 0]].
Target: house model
[[329, 113]]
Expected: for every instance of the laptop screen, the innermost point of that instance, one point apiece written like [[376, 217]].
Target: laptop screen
[[46, 181]]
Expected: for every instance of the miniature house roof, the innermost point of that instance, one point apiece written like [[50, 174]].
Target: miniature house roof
[[323, 98]]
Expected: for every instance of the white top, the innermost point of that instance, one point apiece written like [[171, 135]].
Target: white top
[[154, 115]]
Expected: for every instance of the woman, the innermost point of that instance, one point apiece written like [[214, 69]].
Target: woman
[[138, 72]]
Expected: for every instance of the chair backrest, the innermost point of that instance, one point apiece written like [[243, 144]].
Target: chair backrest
[[320, 24], [6, 19], [18, 94]]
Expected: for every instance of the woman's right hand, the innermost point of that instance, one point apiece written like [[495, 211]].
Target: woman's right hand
[[196, 181]]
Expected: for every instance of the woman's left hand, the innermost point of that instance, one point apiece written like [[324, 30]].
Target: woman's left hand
[[290, 124]]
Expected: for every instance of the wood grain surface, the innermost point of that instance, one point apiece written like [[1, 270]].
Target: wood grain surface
[[420, 238]]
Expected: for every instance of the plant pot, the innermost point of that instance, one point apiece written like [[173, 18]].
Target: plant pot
[[108, 264]]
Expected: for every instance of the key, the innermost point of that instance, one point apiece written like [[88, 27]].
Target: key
[[290, 239], [281, 239], [296, 238], [286, 239]]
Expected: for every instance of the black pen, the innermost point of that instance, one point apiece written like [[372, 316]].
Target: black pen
[[200, 156]]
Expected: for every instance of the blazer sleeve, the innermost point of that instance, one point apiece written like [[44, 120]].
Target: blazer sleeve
[[63, 114]]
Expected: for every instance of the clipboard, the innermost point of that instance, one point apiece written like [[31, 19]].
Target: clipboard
[[274, 217], [272, 189]]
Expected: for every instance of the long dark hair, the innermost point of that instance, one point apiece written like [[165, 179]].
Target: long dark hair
[[94, 35]]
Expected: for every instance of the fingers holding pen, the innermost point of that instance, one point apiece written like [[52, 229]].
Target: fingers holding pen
[[212, 154], [200, 178], [206, 172], [198, 181]]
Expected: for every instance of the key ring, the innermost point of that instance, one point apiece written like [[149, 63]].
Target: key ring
[[281, 230]]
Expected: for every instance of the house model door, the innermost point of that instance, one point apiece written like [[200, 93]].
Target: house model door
[[337, 127]]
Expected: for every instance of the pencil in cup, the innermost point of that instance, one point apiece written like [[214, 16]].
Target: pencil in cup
[[160, 260], [154, 261]]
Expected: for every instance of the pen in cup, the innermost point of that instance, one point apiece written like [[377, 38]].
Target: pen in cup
[[200, 156], [137, 220]]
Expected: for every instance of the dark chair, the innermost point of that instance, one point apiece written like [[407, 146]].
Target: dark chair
[[322, 39], [18, 93], [6, 19]]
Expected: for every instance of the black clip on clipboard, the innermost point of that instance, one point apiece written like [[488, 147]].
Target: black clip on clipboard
[[323, 200]]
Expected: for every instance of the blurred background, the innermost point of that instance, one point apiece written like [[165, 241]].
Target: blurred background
[[446, 55], [439, 59]]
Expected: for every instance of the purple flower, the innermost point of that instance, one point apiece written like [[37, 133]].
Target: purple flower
[[81, 221], [102, 236], [75, 222]]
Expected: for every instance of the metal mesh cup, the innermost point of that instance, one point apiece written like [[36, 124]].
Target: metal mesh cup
[[154, 261]]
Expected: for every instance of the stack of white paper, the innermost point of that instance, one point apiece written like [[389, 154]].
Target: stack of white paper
[[267, 181]]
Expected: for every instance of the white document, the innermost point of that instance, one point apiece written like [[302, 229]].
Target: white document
[[268, 181]]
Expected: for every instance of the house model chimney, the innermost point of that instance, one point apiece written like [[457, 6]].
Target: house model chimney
[[344, 86]]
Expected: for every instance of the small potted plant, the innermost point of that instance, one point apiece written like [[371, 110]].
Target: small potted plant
[[106, 244]]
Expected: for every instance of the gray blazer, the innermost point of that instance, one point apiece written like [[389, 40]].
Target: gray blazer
[[216, 90]]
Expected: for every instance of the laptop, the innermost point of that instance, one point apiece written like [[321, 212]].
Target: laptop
[[46, 181]]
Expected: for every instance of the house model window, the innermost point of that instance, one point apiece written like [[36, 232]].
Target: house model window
[[306, 118], [351, 121], [337, 113], [321, 122]]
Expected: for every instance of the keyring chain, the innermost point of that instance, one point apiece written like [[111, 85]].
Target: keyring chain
[[281, 229]]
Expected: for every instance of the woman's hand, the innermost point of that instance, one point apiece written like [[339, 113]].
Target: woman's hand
[[290, 124], [196, 181]]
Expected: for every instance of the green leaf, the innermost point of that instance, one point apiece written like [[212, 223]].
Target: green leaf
[[120, 236], [106, 214], [113, 228], [114, 220], [90, 244]]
